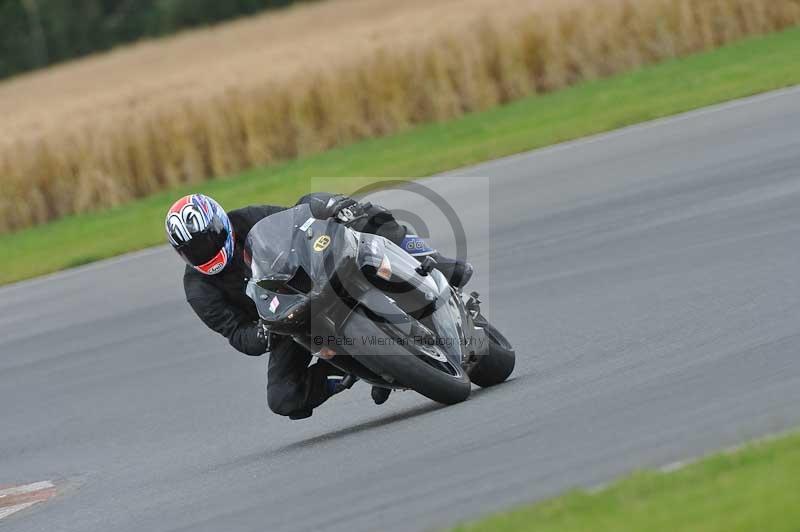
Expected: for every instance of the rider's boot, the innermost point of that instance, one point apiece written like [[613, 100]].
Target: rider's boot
[[380, 395]]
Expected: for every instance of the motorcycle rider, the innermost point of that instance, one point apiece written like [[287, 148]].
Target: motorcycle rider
[[212, 242]]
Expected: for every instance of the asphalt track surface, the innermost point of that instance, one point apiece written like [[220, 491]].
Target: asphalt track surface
[[648, 277]]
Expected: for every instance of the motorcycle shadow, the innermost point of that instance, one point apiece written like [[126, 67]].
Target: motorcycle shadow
[[420, 410], [361, 427]]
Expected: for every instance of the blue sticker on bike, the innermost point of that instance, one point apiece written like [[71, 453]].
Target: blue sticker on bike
[[416, 246]]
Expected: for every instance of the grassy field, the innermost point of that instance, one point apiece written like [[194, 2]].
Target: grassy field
[[742, 69], [751, 490], [100, 132]]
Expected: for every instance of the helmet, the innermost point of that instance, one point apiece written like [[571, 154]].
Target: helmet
[[201, 233]]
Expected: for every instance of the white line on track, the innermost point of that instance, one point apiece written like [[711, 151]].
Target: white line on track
[[678, 465], [5, 512], [18, 498], [28, 488]]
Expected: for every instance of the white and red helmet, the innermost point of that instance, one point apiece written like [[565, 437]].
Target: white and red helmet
[[201, 233]]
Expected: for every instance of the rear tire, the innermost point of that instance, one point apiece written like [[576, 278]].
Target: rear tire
[[496, 366], [402, 363]]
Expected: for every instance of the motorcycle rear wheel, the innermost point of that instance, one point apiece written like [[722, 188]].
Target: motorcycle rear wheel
[[496, 366]]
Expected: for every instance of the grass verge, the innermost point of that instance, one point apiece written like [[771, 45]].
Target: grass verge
[[755, 488], [745, 68]]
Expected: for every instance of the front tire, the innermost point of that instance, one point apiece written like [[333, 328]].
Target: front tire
[[404, 365]]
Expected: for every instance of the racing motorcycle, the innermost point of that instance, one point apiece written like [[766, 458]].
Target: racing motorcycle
[[366, 306]]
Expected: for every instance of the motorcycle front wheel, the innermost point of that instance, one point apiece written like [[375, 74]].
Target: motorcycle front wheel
[[424, 369]]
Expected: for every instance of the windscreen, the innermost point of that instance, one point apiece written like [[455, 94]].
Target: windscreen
[[271, 244]]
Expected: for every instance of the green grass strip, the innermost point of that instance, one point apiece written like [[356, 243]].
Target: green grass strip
[[745, 68], [756, 488]]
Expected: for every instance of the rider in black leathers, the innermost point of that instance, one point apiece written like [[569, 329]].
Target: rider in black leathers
[[294, 387]]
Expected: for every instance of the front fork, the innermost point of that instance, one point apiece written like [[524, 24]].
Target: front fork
[[473, 308]]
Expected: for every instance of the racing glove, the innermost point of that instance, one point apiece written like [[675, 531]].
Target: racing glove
[[263, 333], [337, 206]]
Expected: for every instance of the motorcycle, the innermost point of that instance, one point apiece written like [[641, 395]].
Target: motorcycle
[[364, 305]]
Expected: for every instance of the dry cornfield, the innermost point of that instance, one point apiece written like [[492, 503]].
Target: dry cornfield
[[107, 129]]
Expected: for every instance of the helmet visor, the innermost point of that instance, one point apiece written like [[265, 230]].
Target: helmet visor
[[204, 245]]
